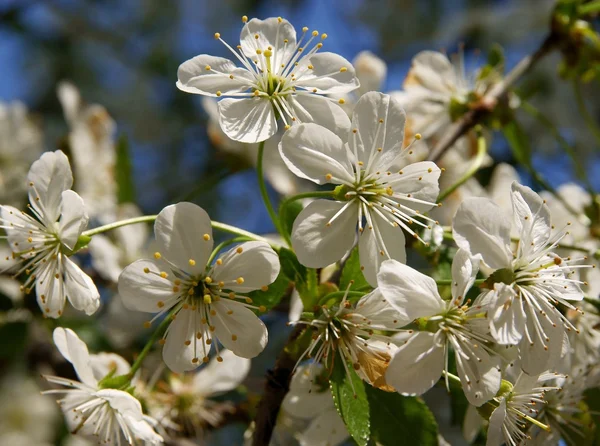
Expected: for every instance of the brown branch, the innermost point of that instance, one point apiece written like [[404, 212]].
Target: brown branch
[[276, 387], [488, 103]]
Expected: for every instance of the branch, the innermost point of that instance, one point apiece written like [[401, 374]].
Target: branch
[[276, 387], [489, 101]]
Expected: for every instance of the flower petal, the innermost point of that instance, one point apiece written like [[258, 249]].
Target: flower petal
[[51, 175], [49, 289], [73, 218], [304, 395], [76, 352], [124, 403], [317, 109], [379, 242], [370, 70], [80, 288], [105, 258], [495, 436], [247, 120], [481, 228], [378, 311], [104, 363], [463, 275], [532, 219], [326, 429], [541, 354], [273, 32], [211, 76], [433, 71], [181, 346], [313, 152], [184, 236], [507, 317], [217, 377], [255, 262], [330, 74], [143, 291], [419, 181], [318, 245], [479, 375], [380, 121], [413, 294], [417, 365]]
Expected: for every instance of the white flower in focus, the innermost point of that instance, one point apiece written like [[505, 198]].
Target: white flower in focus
[[92, 145], [423, 355], [203, 299], [508, 422], [114, 416], [527, 286], [360, 164], [45, 241], [186, 406], [279, 78], [309, 398], [20, 145]]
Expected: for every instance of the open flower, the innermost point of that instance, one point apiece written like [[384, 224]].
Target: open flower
[[45, 241], [419, 362], [279, 78], [114, 416], [388, 201], [525, 287], [203, 299]]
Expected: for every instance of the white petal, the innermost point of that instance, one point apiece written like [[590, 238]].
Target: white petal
[[105, 257], [177, 355], [247, 120], [320, 110], [327, 76], [76, 352], [481, 228], [380, 122], [194, 77], [143, 291], [51, 176], [495, 436], [471, 424], [417, 365], [180, 231], [104, 363], [433, 71], [499, 188], [255, 262], [313, 152], [373, 250], [419, 180], [49, 289], [122, 402], [318, 245], [507, 317], [250, 332], [70, 100], [532, 218], [327, 429], [296, 306], [413, 294], [80, 288], [73, 218], [219, 377], [463, 274], [305, 395], [370, 70], [544, 353], [479, 376], [378, 311], [271, 32]]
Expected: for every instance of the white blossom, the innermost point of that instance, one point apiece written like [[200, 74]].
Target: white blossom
[[422, 356], [45, 241], [203, 299], [113, 415], [280, 77], [368, 190]]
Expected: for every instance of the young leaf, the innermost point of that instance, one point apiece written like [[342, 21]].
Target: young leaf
[[394, 416], [518, 142], [350, 399], [273, 294], [287, 215], [352, 271]]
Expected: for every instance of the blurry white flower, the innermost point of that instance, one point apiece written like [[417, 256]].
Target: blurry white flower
[[20, 145], [423, 355], [309, 398], [280, 78], [45, 242], [389, 201], [114, 416], [371, 72], [525, 286], [203, 299], [26, 417], [92, 145]]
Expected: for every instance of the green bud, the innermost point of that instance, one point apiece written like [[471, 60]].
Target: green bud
[[339, 193]]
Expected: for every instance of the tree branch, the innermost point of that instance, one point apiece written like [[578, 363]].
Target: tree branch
[[276, 387], [489, 101]]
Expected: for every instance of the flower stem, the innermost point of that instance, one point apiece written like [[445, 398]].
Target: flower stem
[[451, 377], [237, 231], [157, 333], [118, 224], [475, 166], [265, 196]]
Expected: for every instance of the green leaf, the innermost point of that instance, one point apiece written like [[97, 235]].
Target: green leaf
[[352, 271], [305, 279], [394, 416], [518, 142], [496, 56], [272, 296], [350, 400], [124, 172], [287, 215], [14, 335]]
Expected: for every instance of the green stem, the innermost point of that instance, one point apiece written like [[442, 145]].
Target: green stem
[[585, 114], [237, 231], [452, 377], [157, 334], [223, 244], [118, 224], [475, 166], [264, 194], [588, 8], [546, 122]]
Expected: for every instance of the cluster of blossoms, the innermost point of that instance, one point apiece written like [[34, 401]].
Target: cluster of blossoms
[[512, 339]]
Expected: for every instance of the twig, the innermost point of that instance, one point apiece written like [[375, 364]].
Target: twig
[[490, 100]]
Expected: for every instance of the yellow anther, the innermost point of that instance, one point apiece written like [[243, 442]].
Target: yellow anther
[[262, 308], [430, 170], [381, 120], [264, 288], [231, 295], [328, 177], [315, 33], [287, 126], [342, 101], [219, 262], [389, 191], [213, 313], [323, 36], [268, 53], [285, 40], [176, 289], [194, 360], [239, 250], [29, 239], [343, 69], [310, 67], [162, 342], [319, 45], [206, 237], [379, 149], [207, 299], [221, 284], [244, 18], [239, 280], [146, 270], [418, 136], [205, 359], [177, 282], [219, 359], [256, 36], [231, 76], [259, 52], [208, 280], [192, 262], [207, 68], [279, 19], [163, 275], [249, 300], [233, 337], [217, 35], [256, 92], [218, 93], [147, 324], [304, 29], [157, 255]]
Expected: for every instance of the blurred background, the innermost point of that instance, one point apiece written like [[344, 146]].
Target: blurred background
[[124, 54]]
